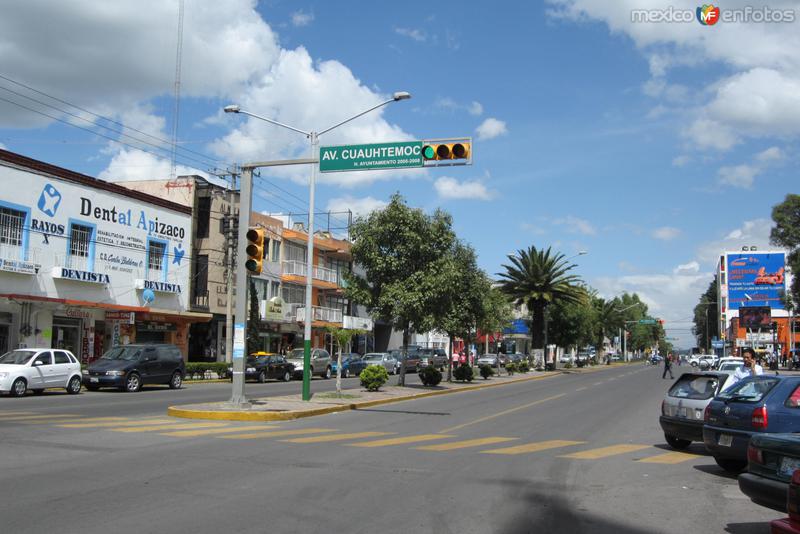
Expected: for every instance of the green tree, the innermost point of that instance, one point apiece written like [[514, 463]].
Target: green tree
[[253, 321], [706, 316], [403, 253], [572, 324], [342, 336], [539, 278], [608, 320], [786, 233]]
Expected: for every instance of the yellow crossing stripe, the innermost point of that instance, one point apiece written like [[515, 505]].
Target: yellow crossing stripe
[[463, 444], [605, 452], [401, 441], [277, 433], [75, 420], [338, 437], [212, 431], [534, 447], [670, 458], [34, 417], [173, 426], [114, 424], [8, 414]]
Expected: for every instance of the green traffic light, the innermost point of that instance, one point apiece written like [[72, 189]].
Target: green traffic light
[[428, 152]]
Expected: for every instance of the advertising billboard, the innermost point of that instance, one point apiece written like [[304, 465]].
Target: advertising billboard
[[756, 317], [756, 279]]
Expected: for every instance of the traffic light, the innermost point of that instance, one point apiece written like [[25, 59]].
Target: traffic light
[[443, 151], [256, 238]]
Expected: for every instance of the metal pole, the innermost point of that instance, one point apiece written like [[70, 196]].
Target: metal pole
[[229, 238], [309, 273], [237, 396]]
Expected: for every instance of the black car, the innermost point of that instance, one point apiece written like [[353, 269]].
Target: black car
[[261, 366], [772, 460], [129, 367]]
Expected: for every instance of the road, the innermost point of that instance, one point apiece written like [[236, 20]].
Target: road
[[573, 453]]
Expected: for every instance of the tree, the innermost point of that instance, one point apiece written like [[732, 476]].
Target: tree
[[403, 253], [608, 320], [538, 279], [342, 336], [573, 324], [253, 321], [786, 233], [706, 316]]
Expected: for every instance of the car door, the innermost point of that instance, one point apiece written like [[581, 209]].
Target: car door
[[41, 370], [62, 368], [149, 365]]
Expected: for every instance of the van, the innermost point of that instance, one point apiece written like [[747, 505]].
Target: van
[[129, 367]]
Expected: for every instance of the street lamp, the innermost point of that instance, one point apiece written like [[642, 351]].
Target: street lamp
[[313, 136]]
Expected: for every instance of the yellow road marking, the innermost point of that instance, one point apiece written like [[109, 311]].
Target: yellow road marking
[[605, 452], [581, 389], [534, 447], [500, 414], [87, 420], [670, 458], [8, 414], [144, 422], [268, 434], [211, 431], [173, 426], [34, 417], [338, 437], [463, 444], [400, 441]]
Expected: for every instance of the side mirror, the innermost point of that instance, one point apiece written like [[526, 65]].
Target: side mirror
[[38, 362]]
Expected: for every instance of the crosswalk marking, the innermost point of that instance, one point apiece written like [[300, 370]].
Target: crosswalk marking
[[670, 458], [34, 417], [277, 433], [173, 426], [605, 452], [401, 441], [212, 431], [337, 437], [88, 420], [111, 424], [534, 447], [463, 444], [9, 414]]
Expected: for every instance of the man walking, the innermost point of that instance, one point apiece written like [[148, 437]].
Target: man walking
[[668, 367]]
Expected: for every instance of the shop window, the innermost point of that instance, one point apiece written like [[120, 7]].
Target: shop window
[[203, 216], [12, 223]]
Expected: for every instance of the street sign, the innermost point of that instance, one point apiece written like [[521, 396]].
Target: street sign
[[399, 155], [647, 321]]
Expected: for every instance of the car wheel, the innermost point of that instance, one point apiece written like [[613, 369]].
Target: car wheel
[[345, 373], [262, 377], [133, 383], [287, 376], [19, 387], [176, 381], [731, 465], [38, 391], [677, 443], [694, 364], [327, 372], [74, 385]]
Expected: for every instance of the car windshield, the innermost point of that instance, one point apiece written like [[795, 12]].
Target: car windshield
[[297, 354], [123, 353], [17, 357], [749, 389], [695, 387]]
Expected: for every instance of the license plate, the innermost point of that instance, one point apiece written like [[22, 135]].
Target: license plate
[[94, 379], [788, 466], [725, 440]]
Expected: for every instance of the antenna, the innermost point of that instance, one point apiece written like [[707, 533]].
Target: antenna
[[178, 54]]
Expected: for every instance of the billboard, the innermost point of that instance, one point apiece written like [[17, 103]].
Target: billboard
[[756, 317], [756, 279]]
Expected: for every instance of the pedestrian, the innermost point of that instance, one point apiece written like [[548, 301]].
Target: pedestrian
[[751, 368], [668, 367]]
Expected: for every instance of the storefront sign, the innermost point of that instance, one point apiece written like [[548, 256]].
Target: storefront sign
[[125, 317], [155, 327], [162, 287], [80, 276], [272, 309], [357, 323], [760, 337], [77, 313], [18, 266]]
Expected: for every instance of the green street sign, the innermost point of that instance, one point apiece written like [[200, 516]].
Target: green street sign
[[400, 155], [647, 321]]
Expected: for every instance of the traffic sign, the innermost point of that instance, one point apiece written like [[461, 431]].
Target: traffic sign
[[647, 321], [397, 155]]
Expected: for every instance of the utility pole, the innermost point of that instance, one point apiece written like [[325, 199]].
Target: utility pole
[[230, 238]]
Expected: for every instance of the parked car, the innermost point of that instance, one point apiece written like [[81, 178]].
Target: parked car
[[754, 405], [504, 359], [129, 367], [772, 460], [262, 365], [683, 407], [381, 358], [729, 359], [516, 357], [731, 366], [565, 358], [488, 359], [436, 358], [37, 370], [348, 358], [320, 362], [412, 358], [791, 524], [655, 359]]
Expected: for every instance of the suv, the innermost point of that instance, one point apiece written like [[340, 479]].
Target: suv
[[436, 358], [320, 362], [412, 358], [129, 367]]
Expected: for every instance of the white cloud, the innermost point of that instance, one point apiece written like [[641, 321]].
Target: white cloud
[[131, 164], [741, 176], [475, 108], [359, 206], [680, 161], [771, 154], [301, 18], [491, 128], [450, 188], [752, 232], [412, 33], [687, 268], [532, 228], [576, 225], [666, 233]]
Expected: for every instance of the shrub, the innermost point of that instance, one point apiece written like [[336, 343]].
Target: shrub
[[205, 370], [464, 372], [486, 371], [430, 376], [568, 365], [581, 363], [511, 368], [523, 367], [373, 377]]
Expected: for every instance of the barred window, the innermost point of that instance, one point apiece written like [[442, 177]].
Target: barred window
[[155, 257], [80, 239], [293, 294], [12, 223]]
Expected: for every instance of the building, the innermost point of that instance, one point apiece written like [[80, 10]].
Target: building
[[86, 264]]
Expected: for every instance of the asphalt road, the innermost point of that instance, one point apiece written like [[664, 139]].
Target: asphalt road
[[572, 453]]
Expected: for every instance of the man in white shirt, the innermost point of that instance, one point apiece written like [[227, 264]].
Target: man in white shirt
[[751, 368]]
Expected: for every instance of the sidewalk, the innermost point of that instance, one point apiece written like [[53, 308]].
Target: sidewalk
[[293, 407]]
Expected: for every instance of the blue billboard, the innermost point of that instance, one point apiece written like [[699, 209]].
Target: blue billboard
[[756, 279], [518, 326]]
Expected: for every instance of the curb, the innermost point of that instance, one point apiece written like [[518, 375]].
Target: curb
[[220, 415]]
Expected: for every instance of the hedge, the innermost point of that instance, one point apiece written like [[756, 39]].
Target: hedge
[[204, 370]]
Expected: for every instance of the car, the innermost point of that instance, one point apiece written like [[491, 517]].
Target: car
[[320, 362], [655, 359], [516, 357], [615, 358], [488, 359], [381, 358], [39, 369], [348, 359], [791, 524], [262, 365], [504, 359], [684, 404], [565, 358], [722, 361], [436, 358], [129, 367], [772, 459], [731, 366], [753, 405], [412, 358]]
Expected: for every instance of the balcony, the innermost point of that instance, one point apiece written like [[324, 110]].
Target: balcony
[[200, 300], [15, 259], [323, 274], [318, 313], [70, 261]]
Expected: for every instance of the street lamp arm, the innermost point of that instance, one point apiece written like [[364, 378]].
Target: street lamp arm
[[235, 109], [356, 116]]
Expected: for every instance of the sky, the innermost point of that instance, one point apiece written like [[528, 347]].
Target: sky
[[652, 146]]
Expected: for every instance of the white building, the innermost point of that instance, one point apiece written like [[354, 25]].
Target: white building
[[86, 264]]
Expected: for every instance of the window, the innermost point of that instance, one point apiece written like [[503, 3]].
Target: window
[[155, 255], [12, 223], [276, 290], [749, 389], [794, 399], [44, 357], [80, 240], [337, 303], [201, 275], [696, 387], [203, 216], [61, 357], [293, 294], [276, 250], [294, 252]]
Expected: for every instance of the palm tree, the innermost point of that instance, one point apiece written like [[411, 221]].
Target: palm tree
[[538, 278], [608, 320]]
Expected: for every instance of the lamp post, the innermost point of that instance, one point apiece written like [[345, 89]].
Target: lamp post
[[313, 136]]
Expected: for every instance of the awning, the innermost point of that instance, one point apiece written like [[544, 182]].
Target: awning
[[73, 302]]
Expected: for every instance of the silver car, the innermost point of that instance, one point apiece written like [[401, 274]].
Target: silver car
[[320, 362], [488, 359], [684, 405], [382, 358]]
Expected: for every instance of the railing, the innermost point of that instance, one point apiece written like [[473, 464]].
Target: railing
[[78, 263], [298, 268], [318, 313], [15, 252], [200, 299]]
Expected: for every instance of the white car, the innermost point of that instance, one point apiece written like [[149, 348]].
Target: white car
[[39, 369]]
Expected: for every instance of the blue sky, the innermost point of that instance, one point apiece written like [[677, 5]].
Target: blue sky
[[651, 146]]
